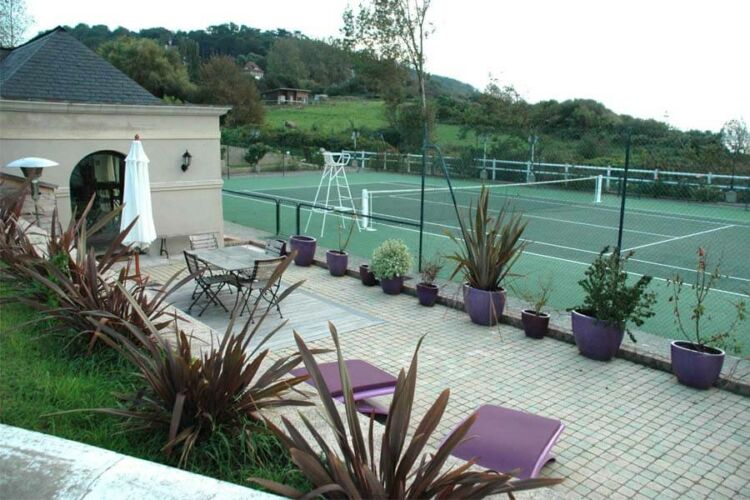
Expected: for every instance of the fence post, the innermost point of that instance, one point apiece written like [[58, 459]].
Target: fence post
[[297, 216], [708, 178], [609, 174], [385, 161], [278, 217], [408, 163], [528, 170], [567, 171], [362, 154], [494, 169]]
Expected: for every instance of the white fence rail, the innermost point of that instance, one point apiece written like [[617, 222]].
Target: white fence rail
[[495, 168]]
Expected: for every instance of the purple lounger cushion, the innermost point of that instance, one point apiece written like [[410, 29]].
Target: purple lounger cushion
[[366, 379], [503, 440]]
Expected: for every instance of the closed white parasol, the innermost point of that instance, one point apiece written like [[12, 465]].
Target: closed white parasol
[[137, 199]]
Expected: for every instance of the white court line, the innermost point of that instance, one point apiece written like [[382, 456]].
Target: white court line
[[636, 211], [680, 237], [611, 228], [571, 261], [544, 243], [530, 241]]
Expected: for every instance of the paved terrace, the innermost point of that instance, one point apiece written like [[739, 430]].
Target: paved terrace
[[632, 431]]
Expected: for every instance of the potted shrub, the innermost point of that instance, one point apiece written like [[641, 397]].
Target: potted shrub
[[338, 260], [609, 304], [390, 263], [487, 250], [305, 248], [697, 361], [535, 322], [367, 276], [427, 290]]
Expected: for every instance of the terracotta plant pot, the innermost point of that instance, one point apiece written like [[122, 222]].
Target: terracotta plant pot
[[367, 276], [484, 307], [305, 247], [695, 366], [534, 325], [596, 339], [337, 262], [392, 286], [427, 294]]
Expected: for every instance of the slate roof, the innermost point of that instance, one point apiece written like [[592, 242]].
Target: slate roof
[[56, 67]]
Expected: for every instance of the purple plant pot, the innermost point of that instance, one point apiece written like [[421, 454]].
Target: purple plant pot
[[392, 286], [596, 339], [367, 276], [337, 262], [305, 247], [427, 294], [534, 325], [484, 307], [696, 368]]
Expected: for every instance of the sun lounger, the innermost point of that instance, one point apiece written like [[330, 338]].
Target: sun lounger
[[503, 440], [368, 381]]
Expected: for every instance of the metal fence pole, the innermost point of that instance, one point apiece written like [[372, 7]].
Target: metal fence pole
[[624, 193], [278, 217], [298, 211]]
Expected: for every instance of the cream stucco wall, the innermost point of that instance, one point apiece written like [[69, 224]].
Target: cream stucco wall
[[183, 202]]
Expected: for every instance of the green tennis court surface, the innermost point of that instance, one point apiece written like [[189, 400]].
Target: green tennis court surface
[[566, 230]]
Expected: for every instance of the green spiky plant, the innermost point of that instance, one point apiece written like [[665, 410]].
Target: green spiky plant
[[488, 246], [191, 393], [400, 470]]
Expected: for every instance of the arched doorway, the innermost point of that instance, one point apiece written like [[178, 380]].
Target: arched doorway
[[102, 174]]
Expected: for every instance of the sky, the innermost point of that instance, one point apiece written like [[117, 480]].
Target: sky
[[686, 62]]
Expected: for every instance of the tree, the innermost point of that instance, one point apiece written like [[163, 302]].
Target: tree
[[222, 82], [736, 138], [284, 64], [14, 21], [394, 30], [157, 69]]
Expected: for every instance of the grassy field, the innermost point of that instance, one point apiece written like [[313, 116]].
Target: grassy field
[[339, 115], [42, 375]]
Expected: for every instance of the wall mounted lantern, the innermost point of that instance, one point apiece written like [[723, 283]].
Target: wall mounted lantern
[[186, 160]]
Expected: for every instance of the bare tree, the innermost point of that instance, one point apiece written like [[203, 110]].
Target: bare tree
[[736, 138], [14, 21]]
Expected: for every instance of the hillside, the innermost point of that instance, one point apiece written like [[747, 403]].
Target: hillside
[[339, 116]]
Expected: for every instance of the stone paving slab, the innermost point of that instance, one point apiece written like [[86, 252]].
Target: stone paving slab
[[631, 431]]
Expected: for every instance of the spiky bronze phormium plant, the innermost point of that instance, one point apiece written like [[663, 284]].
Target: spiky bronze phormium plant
[[488, 246], [190, 393], [353, 469]]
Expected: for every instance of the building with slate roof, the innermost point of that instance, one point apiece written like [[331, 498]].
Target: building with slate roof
[[62, 101]]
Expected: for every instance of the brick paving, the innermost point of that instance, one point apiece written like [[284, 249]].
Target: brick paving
[[631, 431]]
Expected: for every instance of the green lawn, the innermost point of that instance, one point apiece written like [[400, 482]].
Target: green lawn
[[42, 375], [338, 115]]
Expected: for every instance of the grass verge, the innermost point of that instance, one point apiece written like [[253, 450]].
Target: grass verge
[[40, 375]]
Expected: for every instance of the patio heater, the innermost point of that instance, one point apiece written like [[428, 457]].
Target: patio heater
[[32, 168]]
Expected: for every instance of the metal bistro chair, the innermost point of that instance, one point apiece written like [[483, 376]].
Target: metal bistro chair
[[258, 278], [205, 241], [206, 283]]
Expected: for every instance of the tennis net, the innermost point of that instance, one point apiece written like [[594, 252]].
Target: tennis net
[[523, 197]]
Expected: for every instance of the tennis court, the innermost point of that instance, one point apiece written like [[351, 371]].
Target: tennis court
[[566, 230]]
